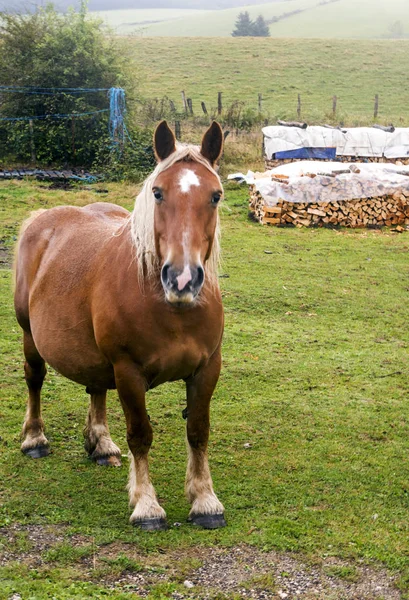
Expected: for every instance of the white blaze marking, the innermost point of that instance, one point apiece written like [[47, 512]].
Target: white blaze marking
[[188, 179], [184, 278]]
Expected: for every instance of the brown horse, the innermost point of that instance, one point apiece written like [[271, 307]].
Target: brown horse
[[129, 301]]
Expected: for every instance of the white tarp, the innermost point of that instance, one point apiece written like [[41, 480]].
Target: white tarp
[[358, 141], [363, 180]]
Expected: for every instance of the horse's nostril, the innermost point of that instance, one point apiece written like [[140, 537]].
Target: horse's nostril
[[200, 276], [165, 274]]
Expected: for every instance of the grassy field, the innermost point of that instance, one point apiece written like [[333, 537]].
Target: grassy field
[[339, 19], [310, 426], [279, 70]]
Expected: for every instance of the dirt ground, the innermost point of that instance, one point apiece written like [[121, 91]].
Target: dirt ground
[[205, 573], [6, 258]]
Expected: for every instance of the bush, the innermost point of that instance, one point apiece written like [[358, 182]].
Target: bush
[[134, 162], [47, 49]]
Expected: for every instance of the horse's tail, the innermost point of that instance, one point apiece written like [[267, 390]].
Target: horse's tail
[[25, 224]]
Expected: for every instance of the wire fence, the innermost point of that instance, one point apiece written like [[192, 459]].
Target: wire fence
[[23, 139], [85, 128]]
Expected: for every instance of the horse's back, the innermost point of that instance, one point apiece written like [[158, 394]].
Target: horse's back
[[106, 210], [58, 238]]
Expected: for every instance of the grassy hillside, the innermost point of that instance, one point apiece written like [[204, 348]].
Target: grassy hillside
[[280, 70], [347, 19], [221, 22], [138, 20], [339, 19]]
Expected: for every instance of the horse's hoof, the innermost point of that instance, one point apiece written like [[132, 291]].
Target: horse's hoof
[[155, 524], [108, 461], [37, 451], [208, 521]]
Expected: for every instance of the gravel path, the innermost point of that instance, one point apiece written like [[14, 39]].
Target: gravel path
[[209, 573]]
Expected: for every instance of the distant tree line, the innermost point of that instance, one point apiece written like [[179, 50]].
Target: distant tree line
[[245, 27], [285, 15]]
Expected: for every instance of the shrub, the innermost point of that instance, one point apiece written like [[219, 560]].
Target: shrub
[[46, 49]]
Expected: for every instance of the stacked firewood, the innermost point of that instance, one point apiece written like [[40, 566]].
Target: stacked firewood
[[365, 212], [272, 163]]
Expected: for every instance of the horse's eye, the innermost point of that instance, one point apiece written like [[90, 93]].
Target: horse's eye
[[158, 195], [216, 198]]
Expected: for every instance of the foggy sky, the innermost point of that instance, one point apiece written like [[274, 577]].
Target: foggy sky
[[23, 5]]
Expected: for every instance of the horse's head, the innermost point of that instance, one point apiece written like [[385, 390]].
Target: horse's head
[[186, 195]]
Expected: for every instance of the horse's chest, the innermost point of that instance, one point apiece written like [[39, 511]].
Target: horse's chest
[[176, 359]]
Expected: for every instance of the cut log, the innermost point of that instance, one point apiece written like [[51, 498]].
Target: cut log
[[293, 124]]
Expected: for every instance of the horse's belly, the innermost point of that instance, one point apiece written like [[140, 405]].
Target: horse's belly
[[73, 353]]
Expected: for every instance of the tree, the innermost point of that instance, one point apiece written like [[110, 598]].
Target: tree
[[396, 30], [243, 25], [47, 49], [260, 27]]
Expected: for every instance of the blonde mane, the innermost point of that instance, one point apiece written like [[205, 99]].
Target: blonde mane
[[142, 218]]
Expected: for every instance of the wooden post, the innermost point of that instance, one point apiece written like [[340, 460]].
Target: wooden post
[[376, 108], [32, 145], [73, 136], [190, 105], [204, 109], [299, 106], [260, 102], [334, 105], [177, 131], [172, 106], [184, 101], [219, 103]]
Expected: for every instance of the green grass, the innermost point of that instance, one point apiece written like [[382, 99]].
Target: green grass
[[341, 19], [315, 379], [280, 70], [349, 573]]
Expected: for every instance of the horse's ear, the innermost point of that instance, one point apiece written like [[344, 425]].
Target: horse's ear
[[164, 141], [212, 143]]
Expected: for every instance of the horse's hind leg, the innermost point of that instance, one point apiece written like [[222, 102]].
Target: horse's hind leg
[[35, 443], [98, 442], [207, 511]]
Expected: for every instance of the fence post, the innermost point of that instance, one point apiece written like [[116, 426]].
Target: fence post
[[32, 145], [204, 109], [73, 136], [184, 101], [177, 131], [219, 103], [334, 105], [376, 108], [299, 106], [260, 101], [190, 105], [172, 106]]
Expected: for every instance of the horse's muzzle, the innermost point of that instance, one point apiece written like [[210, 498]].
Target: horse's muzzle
[[182, 287]]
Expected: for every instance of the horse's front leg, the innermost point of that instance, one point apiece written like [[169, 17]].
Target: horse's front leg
[[131, 386], [207, 511]]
